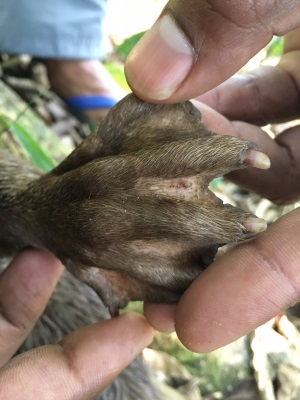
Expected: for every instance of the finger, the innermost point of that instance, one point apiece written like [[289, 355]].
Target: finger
[[214, 120], [242, 289], [161, 316], [196, 45], [262, 96], [25, 287], [81, 365], [278, 183]]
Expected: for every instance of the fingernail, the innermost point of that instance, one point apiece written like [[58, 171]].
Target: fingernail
[[257, 159], [160, 61], [255, 225]]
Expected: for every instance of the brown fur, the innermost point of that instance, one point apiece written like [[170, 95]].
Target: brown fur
[[129, 211]]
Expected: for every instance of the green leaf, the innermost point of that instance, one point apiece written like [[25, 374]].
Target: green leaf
[[215, 183], [274, 48], [36, 154], [125, 48], [117, 72]]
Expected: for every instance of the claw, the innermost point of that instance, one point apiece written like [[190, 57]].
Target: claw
[[255, 225], [257, 159]]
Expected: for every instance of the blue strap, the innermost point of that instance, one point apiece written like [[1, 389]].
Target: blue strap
[[89, 102]]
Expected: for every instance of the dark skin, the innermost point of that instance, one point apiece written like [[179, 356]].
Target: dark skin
[[202, 43]]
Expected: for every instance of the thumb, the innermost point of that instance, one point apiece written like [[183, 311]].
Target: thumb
[[197, 44]]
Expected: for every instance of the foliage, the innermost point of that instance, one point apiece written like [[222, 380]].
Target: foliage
[[125, 48], [117, 72], [275, 47], [34, 151], [214, 375]]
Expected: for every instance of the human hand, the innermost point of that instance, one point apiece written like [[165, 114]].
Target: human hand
[[240, 291], [259, 278], [262, 96], [78, 367], [214, 41], [254, 281]]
